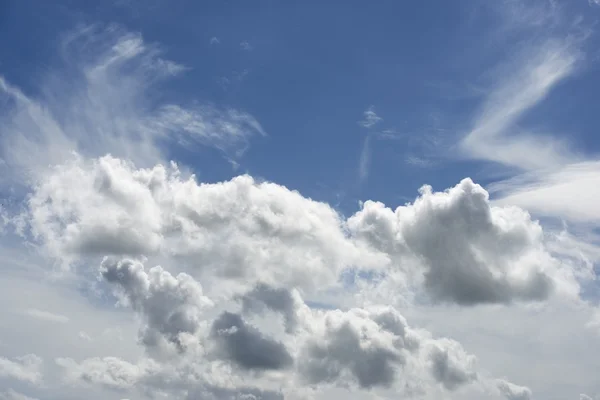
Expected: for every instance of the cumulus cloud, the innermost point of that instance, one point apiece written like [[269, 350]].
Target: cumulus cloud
[[14, 395], [461, 247], [280, 300], [150, 379], [512, 391], [246, 346], [27, 368], [352, 345], [370, 348], [472, 252], [239, 229], [450, 364], [171, 306], [109, 372], [236, 251], [210, 392]]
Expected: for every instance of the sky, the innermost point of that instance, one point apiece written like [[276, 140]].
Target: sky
[[268, 200]]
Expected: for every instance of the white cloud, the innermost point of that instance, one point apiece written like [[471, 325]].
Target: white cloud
[[365, 159], [110, 372], [237, 229], [252, 245], [471, 252], [14, 395], [224, 315], [26, 368], [550, 178], [214, 40], [47, 316], [512, 391], [370, 118], [106, 108], [171, 306], [481, 253], [568, 193], [365, 348], [496, 136], [246, 46]]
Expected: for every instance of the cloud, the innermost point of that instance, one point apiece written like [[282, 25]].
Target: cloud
[[97, 101], [171, 306], [243, 393], [512, 391], [554, 180], [244, 45], [47, 316], [214, 40], [109, 372], [234, 252], [183, 381], [365, 159], [370, 118], [472, 252], [279, 300], [246, 346], [26, 368], [13, 395], [451, 365], [454, 243], [365, 348], [567, 192], [353, 344], [495, 135], [212, 228]]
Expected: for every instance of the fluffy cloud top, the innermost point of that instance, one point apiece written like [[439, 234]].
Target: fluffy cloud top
[[171, 306], [26, 368], [454, 244], [222, 279], [469, 251], [238, 229]]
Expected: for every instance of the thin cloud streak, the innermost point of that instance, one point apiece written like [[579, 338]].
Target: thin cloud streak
[[105, 108], [496, 136], [365, 159], [370, 118], [46, 315]]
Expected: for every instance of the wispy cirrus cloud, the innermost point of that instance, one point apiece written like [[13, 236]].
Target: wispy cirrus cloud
[[496, 135], [98, 101], [370, 118], [246, 46], [570, 192], [365, 159], [46, 315], [550, 178]]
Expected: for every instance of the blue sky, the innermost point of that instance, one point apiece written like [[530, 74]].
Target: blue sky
[[312, 69], [389, 199]]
